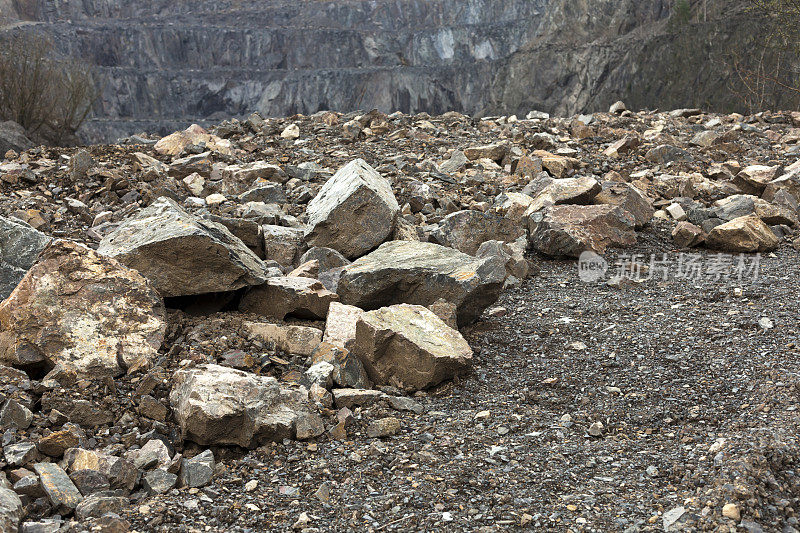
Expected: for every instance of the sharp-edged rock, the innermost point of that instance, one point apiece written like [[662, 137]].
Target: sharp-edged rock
[[743, 234], [282, 296], [467, 230], [20, 245], [571, 229]]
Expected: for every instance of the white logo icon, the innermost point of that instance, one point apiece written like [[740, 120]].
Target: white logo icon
[[591, 267]]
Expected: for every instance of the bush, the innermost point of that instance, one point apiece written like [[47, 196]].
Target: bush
[[48, 96]]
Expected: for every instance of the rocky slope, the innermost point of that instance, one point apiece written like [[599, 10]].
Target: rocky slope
[[163, 65], [367, 321]]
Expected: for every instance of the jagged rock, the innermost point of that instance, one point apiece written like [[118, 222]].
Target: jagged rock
[[268, 193], [20, 245], [512, 254], [628, 198], [666, 153], [120, 472], [687, 235], [14, 415], [19, 454], [11, 510], [97, 505], [158, 481], [292, 339], [347, 369], [13, 137], [495, 152], [354, 212], [349, 398], [222, 406], [197, 471], [456, 162], [572, 229], [565, 191], [181, 254], [283, 296], [512, 205], [557, 166], [743, 234], [60, 490], [175, 143], [236, 179], [467, 230], [340, 327], [408, 346], [789, 182], [154, 454], [421, 273], [754, 179], [89, 481], [56, 443], [284, 245], [328, 258], [81, 310]]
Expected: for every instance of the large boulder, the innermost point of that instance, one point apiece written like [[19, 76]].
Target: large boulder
[[11, 510], [181, 254], [354, 212], [82, 310], [13, 137], [467, 230], [175, 143], [571, 229], [581, 190], [408, 346], [217, 405], [743, 234], [20, 245], [422, 273], [628, 198]]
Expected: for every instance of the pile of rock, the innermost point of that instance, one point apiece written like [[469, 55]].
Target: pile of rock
[[258, 282]]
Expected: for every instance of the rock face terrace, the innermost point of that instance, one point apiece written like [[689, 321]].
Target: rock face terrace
[[370, 321]]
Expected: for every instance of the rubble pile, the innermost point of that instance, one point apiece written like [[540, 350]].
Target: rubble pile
[[170, 303]]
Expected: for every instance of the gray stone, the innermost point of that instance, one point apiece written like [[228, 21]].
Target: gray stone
[[269, 193], [13, 137], [158, 481], [354, 212], [220, 405], [14, 415], [467, 230], [666, 153], [120, 472], [154, 454], [350, 398], [181, 254], [347, 370], [60, 490], [328, 258], [97, 505], [19, 454], [580, 190], [11, 510], [197, 471], [408, 346], [284, 245], [89, 481], [20, 245], [512, 254], [421, 273], [628, 198]]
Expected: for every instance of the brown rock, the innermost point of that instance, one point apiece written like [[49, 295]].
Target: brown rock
[[283, 296], [743, 234], [572, 229]]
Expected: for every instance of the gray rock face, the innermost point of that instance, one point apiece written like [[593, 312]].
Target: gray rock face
[[13, 137], [197, 471], [285, 295], [408, 346], [354, 212], [628, 198], [10, 510], [60, 490], [181, 254], [467, 230], [221, 406], [421, 273], [571, 229], [20, 245]]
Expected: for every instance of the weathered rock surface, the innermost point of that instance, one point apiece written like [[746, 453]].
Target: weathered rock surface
[[81, 310], [20, 245], [13, 137], [566, 191], [628, 198], [11, 510], [408, 346], [219, 405], [355, 197], [421, 273], [743, 234], [289, 338], [181, 254], [572, 229], [286, 295], [467, 230]]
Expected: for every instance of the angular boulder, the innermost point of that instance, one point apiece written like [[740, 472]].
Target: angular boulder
[[288, 338], [354, 212], [467, 230], [340, 327], [20, 245], [581, 190], [421, 273], [628, 198], [175, 143], [13, 137], [571, 229], [408, 346], [285, 295], [743, 234], [216, 405], [81, 310], [11, 510], [283, 244], [181, 254]]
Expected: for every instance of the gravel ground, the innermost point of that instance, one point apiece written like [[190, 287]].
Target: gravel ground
[[695, 391]]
